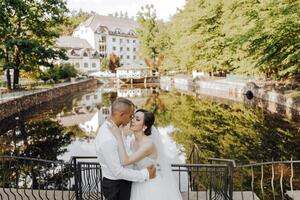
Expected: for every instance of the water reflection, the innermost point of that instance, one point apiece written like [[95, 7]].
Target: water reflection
[[39, 139], [67, 126], [230, 130]]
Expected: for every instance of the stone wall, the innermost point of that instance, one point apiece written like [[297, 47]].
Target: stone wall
[[25, 102], [237, 91]]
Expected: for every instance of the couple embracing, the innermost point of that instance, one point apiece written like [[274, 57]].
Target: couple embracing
[[140, 171]]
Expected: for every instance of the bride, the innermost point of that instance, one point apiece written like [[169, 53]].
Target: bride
[[147, 150]]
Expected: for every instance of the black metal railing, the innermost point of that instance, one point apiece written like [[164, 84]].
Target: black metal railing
[[90, 181], [31, 178], [202, 181], [230, 167], [195, 181], [269, 180]]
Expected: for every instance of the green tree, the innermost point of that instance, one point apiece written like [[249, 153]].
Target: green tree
[[58, 72], [72, 21], [251, 37], [27, 35], [227, 131], [147, 32], [105, 64]]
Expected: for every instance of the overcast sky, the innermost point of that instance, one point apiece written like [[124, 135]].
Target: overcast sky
[[164, 8]]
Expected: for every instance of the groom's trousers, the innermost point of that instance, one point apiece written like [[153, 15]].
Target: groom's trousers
[[116, 189]]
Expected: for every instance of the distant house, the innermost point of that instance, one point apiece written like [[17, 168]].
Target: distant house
[[108, 34], [80, 54]]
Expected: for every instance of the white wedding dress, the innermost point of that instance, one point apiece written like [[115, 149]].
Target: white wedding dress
[[163, 186], [149, 190]]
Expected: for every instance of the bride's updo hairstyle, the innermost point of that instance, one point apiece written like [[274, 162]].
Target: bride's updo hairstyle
[[148, 120]]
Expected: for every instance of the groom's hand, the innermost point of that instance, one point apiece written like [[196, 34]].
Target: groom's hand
[[152, 171]]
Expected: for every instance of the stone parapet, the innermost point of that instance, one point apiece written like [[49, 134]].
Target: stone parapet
[[25, 102]]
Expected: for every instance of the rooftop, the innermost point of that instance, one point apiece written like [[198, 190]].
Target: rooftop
[[73, 42], [111, 22]]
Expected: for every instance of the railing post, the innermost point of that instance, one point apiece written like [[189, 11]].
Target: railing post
[[231, 168], [74, 160], [79, 182]]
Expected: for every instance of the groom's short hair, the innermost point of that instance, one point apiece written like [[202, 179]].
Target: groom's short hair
[[121, 105]]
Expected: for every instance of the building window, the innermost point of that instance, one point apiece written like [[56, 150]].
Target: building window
[[101, 47], [133, 41], [134, 57], [113, 39], [87, 97], [86, 65], [134, 49], [121, 48], [121, 56], [128, 57], [93, 65], [121, 40], [95, 96], [85, 54], [114, 48], [128, 49], [128, 41], [77, 65]]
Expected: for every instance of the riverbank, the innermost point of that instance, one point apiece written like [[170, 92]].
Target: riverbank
[[31, 99], [241, 91]]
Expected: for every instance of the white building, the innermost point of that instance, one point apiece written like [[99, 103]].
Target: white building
[[108, 34], [80, 54]]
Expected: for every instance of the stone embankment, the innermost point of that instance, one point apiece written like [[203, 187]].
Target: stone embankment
[[22, 103], [242, 91]]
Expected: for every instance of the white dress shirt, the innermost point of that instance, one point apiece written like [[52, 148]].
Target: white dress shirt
[[108, 157]]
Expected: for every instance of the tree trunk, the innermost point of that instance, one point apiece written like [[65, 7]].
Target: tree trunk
[[16, 78], [17, 68], [8, 79]]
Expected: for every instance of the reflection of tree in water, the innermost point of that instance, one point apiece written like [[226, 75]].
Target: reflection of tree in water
[[38, 139], [236, 132], [156, 104], [108, 98]]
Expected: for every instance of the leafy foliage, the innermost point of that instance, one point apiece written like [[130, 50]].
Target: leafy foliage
[[114, 62], [59, 72], [250, 37], [72, 21], [104, 64], [228, 131], [28, 33]]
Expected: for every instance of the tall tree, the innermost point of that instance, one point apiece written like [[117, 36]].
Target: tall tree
[[147, 32], [72, 21], [113, 63], [27, 35], [252, 37]]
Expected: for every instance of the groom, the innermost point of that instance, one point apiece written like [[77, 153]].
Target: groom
[[117, 180]]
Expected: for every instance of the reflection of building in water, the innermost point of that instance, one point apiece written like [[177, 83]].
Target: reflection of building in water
[[97, 120], [88, 114], [138, 95], [91, 100], [134, 92], [133, 72]]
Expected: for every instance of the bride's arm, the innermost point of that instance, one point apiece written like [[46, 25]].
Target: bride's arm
[[145, 150]]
